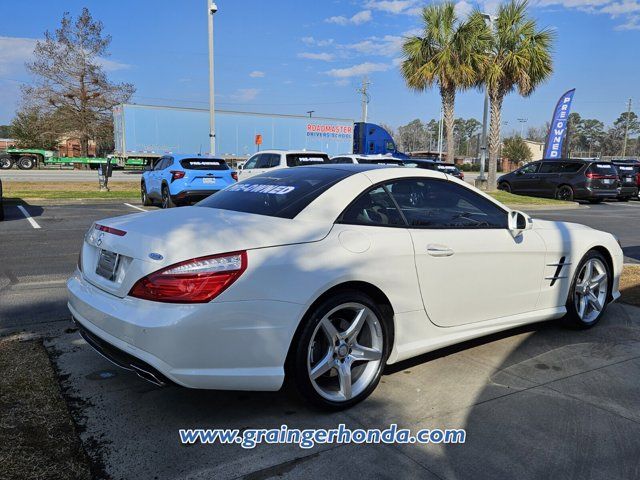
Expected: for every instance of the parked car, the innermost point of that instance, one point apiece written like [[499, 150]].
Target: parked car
[[1, 203], [368, 159], [270, 159], [326, 274], [181, 179], [629, 173], [448, 168], [564, 179]]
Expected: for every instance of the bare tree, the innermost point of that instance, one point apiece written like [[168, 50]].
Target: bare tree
[[70, 80]]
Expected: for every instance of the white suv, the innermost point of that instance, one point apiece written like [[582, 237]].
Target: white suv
[[269, 159]]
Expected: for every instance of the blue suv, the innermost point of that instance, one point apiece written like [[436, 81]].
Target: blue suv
[[181, 179]]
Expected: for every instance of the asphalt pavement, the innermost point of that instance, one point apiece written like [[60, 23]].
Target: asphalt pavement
[[536, 402]]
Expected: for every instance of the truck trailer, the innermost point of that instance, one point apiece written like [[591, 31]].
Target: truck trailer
[[144, 132]]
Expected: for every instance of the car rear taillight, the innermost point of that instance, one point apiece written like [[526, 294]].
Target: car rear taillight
[[234, 175], [198, 280], [176, 175], [114, 231]]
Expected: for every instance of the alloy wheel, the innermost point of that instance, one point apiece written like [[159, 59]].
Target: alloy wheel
[[345, 352], [590, 293]]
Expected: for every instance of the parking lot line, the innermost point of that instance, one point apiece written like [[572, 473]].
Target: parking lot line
[[33, 223], [137, 208]]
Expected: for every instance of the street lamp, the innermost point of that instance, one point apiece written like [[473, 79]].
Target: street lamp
[[212, 8]]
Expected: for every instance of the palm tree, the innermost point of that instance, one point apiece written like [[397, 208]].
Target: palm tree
[[449, 53], [519, 58]]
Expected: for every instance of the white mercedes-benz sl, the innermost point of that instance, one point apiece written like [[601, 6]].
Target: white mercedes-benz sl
[[324, 275]]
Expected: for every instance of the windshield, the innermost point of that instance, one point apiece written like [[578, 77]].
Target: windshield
[[281, 193]]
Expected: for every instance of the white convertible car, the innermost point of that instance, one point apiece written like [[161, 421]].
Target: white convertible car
[[325, 274]]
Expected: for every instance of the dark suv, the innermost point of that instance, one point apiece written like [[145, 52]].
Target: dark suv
[[564, 179], [629, 178]]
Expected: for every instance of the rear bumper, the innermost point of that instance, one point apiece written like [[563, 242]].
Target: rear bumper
[[592, 193], [192, 195], [630, 191], [218, 345]]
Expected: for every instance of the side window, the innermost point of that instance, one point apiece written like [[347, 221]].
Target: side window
[[251, 163], [342, 160], [168, 161], [274, 160], [530, 168], [263, 161], [441, 204], [374, 207], [159, 164], [549, 167]]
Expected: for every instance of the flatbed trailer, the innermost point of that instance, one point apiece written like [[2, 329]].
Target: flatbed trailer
[[29, 158]]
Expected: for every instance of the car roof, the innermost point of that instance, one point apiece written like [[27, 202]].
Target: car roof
[[183, 156], [278, 150]]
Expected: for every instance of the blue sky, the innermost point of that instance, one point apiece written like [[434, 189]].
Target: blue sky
[[290, 56]]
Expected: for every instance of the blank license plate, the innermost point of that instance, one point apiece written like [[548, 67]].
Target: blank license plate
[[607, 181], [107, 264], [208, 180]]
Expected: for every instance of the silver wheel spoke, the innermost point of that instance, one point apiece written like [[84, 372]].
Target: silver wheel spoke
[[582, 309], [323, 366], [344, 373], [588, 271], [358, 352], [352, 332], [330, 330], [595, 303]]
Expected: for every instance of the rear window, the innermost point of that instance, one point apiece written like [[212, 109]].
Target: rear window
[[380, 161], [282, 193], [301, 159], [450, 169], [626, 169], [203, 164], [603, 168]]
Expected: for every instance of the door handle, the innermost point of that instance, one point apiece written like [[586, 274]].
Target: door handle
[[439, 250]]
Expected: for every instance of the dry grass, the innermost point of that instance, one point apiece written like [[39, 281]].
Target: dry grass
[[37, 436], [69, 190], [630, 285]]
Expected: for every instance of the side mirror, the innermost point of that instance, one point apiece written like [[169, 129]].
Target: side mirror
[[519, 222]]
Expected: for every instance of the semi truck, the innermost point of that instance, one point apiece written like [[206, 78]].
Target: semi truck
[[149, 131]]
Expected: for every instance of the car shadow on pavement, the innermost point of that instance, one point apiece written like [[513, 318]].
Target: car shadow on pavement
[[632, 252], [12, 212]]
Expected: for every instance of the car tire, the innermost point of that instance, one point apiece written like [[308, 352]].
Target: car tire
[[6, 162], [595, 201], [624, 199], [166, 198], [26, 163], [589, 291], [564, 192], [326, 362], [505, 187], [144, 197]]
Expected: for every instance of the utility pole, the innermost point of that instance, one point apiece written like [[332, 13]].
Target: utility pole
[[310, 112], [481, 181], [364, 90], [440, 135], [626, 130], [212, 8]]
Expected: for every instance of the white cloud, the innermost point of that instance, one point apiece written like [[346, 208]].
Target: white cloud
[[319, 43], [325, 57], [628, 10], [394, 6], [387, 46], [359, 18], [111, 65], [463, 9], [256, 74], [245, 94], [358, 70]]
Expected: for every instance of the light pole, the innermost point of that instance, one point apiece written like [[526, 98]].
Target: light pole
[[522, 122], [212, 8], [485, 114]]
